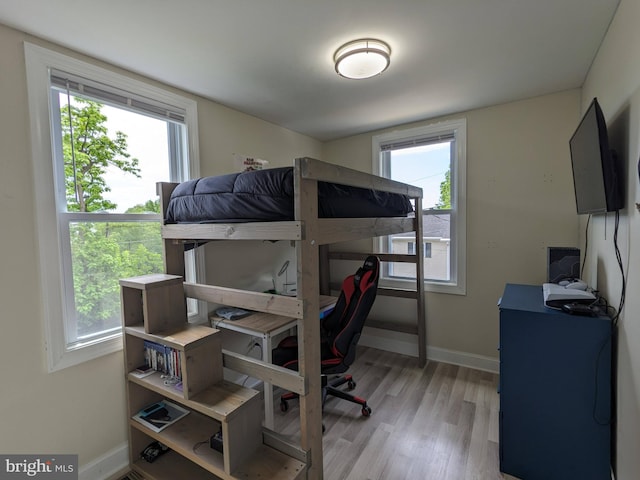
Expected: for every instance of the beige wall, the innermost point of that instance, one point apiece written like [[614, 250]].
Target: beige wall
[[519, 201], [223, 133], [80, 409], [615, 79]]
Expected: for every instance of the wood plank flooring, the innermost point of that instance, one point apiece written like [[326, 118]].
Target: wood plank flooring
[[439, 422]]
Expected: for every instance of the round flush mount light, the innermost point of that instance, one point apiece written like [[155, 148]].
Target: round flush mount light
[[362, 58]]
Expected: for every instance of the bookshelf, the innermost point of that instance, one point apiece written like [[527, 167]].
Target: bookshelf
[[154, 310]]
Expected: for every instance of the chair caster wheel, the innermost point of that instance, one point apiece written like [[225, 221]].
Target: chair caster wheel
[[366, 411], [284, 406], [351, 384]]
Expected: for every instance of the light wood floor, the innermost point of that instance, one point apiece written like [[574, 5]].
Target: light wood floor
[[439, 422]]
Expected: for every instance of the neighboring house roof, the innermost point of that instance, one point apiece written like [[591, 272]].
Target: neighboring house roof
[[434, 226]]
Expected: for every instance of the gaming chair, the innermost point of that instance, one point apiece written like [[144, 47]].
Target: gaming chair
[[340, 332]]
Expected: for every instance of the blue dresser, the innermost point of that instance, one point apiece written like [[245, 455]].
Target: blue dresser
[[555, 390]]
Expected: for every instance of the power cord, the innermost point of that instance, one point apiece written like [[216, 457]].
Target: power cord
[[586, 246], [249, 350], [623, 291], [198, 445]]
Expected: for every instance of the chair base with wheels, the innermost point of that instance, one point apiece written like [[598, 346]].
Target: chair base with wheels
[[330, 388]]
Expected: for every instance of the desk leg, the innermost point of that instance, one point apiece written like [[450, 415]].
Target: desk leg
[[268, 388]]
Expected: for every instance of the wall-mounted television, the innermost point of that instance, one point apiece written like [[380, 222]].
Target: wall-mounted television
[[596, 173]]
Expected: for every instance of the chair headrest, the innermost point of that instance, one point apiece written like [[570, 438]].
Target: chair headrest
[[371, 265]]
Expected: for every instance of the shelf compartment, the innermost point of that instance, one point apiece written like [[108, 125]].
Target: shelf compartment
[[181, 337], [221, 401], [198, 345], [189, 437], [171, 465], [189, 440], [156, 301], [236, 409]]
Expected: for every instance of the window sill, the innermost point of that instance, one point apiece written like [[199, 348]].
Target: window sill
[[429, 286], [82, 353]]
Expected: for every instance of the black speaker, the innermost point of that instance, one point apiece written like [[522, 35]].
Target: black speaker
[[562, 263]]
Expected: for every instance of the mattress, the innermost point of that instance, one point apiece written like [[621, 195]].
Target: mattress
[[268, 195]]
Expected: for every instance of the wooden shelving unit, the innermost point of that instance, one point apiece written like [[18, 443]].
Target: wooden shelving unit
[[154, 309]]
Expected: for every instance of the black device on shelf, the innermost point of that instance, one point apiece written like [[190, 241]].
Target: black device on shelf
[[153, 451], [596, 173], [215, 442], [574, 308]]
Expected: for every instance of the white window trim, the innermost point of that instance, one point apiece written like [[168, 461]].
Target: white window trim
[[39, 61], [459, 197]]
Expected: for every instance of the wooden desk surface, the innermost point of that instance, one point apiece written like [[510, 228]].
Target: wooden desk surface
[[263, 323]]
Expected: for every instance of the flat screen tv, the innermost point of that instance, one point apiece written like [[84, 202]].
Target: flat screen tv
[[596, 173]]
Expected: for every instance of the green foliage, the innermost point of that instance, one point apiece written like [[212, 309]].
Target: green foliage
[[150, 206], [445, 192], [102, 252], [87, 158]]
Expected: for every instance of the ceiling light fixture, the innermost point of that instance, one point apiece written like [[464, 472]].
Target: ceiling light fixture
[[362, 58]]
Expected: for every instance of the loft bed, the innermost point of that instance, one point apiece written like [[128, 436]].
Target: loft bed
[[312, 226]]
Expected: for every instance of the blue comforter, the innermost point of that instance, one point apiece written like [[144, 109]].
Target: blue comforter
[[268, 195]]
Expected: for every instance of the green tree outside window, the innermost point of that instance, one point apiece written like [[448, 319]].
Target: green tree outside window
[[102, 252]]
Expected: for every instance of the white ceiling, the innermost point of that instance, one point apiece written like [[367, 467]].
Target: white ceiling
[[273, 58]]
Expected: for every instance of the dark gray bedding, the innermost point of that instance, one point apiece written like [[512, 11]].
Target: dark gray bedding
[[268, 195]]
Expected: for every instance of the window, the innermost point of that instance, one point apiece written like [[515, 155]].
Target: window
[[433, 158], [100, 142], [411, 249], [427, 249]]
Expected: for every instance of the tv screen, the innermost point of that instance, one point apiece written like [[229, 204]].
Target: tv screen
[[595, 171]]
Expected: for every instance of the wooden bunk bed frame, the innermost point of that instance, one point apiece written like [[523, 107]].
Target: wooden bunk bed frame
[[311, 236]]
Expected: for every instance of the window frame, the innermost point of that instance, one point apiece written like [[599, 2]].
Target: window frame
[[39, 63], [457, 127]]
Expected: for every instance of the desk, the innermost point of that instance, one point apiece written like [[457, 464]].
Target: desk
[[265, 326]]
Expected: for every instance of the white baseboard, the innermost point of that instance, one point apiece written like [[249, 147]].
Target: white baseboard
[[389, 341], [110, 465], [407, 344], [464, 359]]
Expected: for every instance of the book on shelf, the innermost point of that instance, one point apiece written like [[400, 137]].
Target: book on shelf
[[160, 415], [162, 359]]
